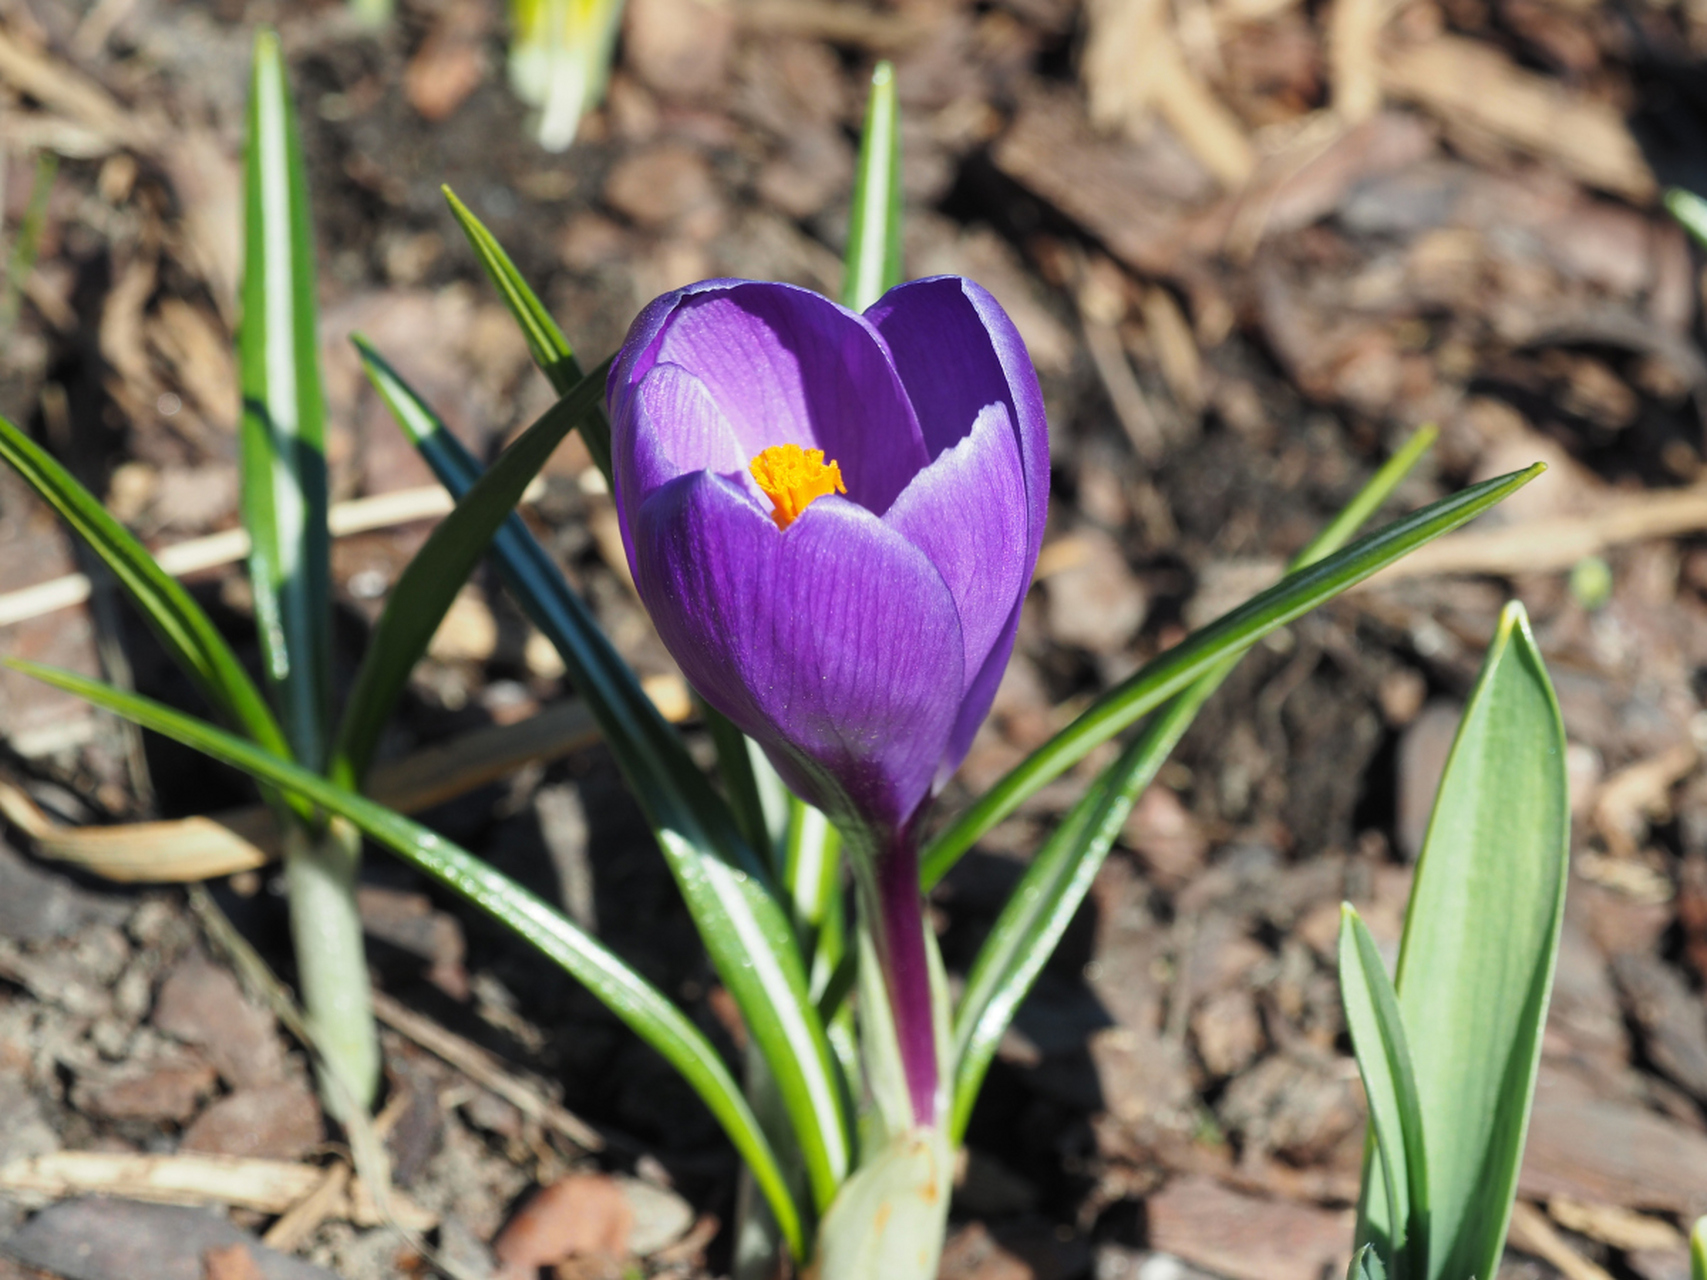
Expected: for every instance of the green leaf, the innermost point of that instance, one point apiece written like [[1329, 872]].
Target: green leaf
[[1366, 1265], [1689, 209], [186, 632], [1481, 937], [432, 579], [874, 228], [282, 435], [1389, 1082], [1698, 1250], [743, 922], [547, 345], [735, 765], [1232, 633], [640, 1005], [1041, 907]]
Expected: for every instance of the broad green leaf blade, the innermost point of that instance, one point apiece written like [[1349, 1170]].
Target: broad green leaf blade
[[1366, 1265], [282, 435], [874, 227], [432, 579], [620, 988], [1232, 633], [547, 345], [1698, 1250], [187, 633], [1035, 917], [1481, 937], [744, 924], [1395, 1114], [888, 1222]]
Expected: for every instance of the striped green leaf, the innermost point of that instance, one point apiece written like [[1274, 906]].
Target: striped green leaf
[[1055, 883], [1232, 633], [432, 579], [186, 632], [873, 264], [620, 988], [1389, 1082], [742, 920], [282, 434], [1481, 937], [547, 344], [1366, 1265]]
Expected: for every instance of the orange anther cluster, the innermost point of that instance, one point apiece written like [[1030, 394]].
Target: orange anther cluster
[[793, 478]]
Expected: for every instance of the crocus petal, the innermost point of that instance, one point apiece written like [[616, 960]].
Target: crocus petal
[[834, 643], [957, 351], [676, 428], [967, 513], [788, 366]]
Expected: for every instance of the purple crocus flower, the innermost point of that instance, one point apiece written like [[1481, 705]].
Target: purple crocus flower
[[833, 520]]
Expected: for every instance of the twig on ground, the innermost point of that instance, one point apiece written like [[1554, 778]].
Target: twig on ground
[[486, 1070]]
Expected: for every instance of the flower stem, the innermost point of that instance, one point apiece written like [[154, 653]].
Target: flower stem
[[331, 963], [898, 922]]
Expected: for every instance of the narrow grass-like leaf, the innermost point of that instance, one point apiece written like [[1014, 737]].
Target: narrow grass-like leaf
[[620, 988], [1037, 914], [1232, 633], [735, 767], [873, 264], [547, 344], [186, 632], [432, 579], [1481, 938], [282, 435], [1698, 1250], [1389, 1082], [742, 920]]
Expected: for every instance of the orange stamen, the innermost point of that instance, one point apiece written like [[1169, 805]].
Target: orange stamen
[[793, 478]]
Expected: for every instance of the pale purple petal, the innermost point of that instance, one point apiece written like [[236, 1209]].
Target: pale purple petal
[[834, 643], [791, 367], [672, 427], [957, 351]]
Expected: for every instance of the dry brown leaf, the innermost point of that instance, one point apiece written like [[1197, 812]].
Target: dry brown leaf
[[1621, 1228], [1469, 82], [1532, 1233]]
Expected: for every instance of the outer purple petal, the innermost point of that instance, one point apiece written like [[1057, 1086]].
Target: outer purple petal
[[671, 426], [834, 643], [786, 366], [967, 513], [958, 352]]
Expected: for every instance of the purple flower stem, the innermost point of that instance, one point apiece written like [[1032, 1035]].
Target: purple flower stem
[[900, 938]]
